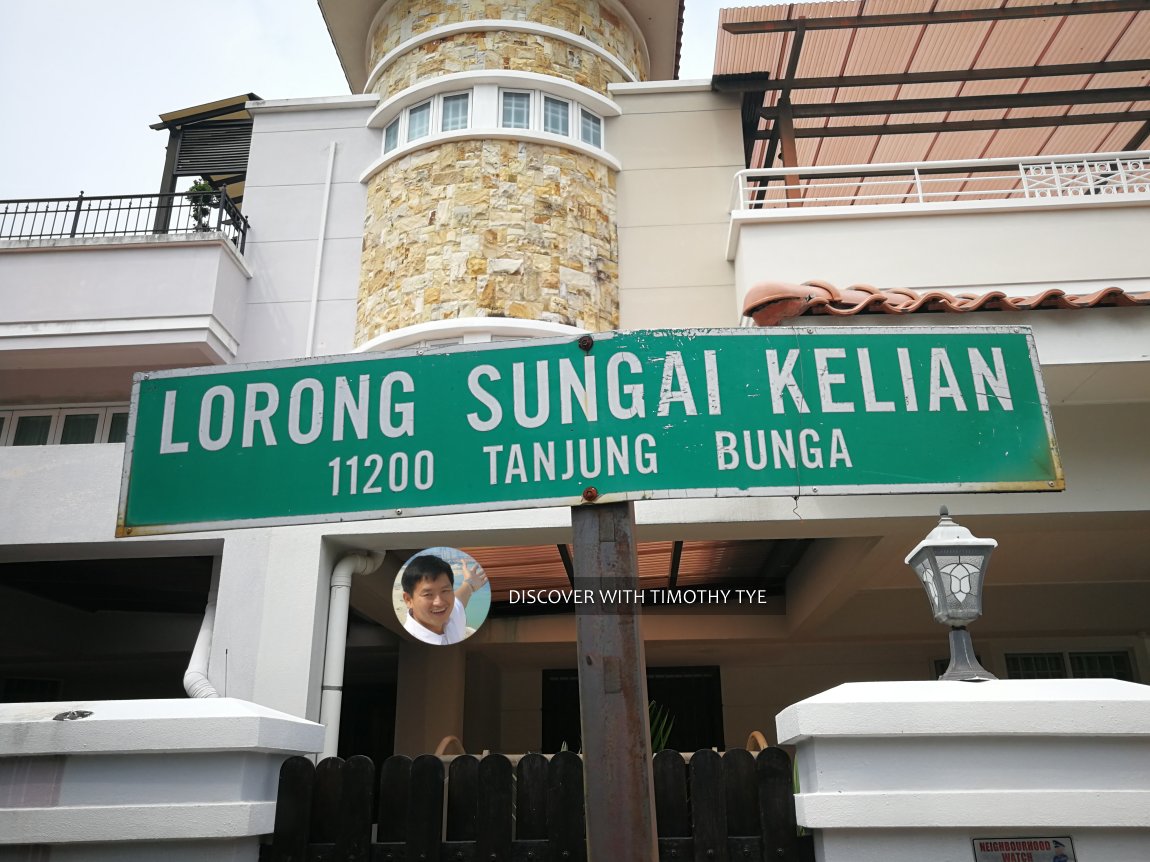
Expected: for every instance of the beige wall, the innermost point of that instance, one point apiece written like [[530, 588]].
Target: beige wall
[[429, 697], [483, 705], [680, 146]]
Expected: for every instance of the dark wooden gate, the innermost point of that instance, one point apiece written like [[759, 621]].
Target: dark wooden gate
[[734, 807]]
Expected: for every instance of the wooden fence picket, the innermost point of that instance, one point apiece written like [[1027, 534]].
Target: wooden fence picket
[[777, 805], [496, 809], [708, 806], [672, 817], [293, 810], [425, 815], [353, 832], [326, 795], [394, 800], [742, 792], [566, 831], [462, 798], [531, 807]]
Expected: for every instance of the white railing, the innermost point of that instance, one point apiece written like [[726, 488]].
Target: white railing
[[944, 182]]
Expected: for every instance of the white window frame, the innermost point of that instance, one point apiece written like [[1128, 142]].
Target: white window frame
[[486, 95], [394, 124], [436, 115], [101, 423], [57, 413], [441, 102], [583, 112], [430, 104], [107, 430], [543, 114], [532, 101], [54, 421]]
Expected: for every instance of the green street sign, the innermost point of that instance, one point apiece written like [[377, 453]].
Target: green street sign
[[609, 417]]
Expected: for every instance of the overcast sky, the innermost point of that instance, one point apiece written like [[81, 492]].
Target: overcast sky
[[81, 81]]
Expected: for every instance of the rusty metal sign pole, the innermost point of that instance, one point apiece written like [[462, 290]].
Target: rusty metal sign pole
[[618, 786]]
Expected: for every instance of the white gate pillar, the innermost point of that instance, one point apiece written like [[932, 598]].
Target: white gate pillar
[[908, 771]]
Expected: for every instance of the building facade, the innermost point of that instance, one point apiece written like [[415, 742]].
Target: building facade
[[530, 169]]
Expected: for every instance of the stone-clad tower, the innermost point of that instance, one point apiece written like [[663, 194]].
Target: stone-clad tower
[[494, 194]]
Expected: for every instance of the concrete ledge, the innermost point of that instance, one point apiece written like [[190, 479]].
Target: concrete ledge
[[1042, 707], [1054, 809], [151, 726], [151, 240], [102, 823]]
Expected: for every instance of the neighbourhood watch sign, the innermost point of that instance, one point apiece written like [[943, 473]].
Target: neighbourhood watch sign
[[614, 416]]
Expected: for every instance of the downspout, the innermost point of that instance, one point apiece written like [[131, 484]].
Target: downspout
[[331, 695], [196, 682]]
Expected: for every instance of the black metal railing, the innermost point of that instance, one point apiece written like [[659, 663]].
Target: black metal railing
[[124, 215]]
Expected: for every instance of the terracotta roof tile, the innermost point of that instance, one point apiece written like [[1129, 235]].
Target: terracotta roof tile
[[771, 303]]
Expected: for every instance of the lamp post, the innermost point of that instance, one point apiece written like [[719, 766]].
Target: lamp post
[[951, 563]]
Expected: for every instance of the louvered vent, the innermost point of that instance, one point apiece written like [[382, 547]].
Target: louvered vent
[[214, 148]]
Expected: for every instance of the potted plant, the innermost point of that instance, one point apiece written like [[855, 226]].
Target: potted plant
[[202, 198]]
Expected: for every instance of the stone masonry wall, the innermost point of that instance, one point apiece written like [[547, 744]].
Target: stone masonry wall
[[595, 20], [520, 52], [490, 228]]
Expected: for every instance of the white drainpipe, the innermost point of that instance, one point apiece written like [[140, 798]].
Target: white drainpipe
[[331, 695], [314, 311], [196, 682]]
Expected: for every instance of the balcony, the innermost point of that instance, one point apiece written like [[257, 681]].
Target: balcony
[[142, 281], [1075, 222]]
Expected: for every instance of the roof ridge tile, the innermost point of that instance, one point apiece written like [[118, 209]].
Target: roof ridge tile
[[772, 303]]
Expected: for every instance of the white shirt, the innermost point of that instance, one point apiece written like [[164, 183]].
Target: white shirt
[[453, 632]]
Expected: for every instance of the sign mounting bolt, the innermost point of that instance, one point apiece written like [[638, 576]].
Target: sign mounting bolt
[[591, 494], [586, 342]]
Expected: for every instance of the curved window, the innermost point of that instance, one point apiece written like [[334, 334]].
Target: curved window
[[487, 105]]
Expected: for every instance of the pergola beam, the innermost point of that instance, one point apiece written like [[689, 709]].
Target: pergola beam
[[749, 113], [783, 129], [568, 567], [971, 125], [1139, 138], [953, 16], [760, 82], [676, 558], [1005, 101]]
